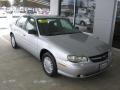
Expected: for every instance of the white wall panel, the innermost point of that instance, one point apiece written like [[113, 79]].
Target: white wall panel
[[104, 19]]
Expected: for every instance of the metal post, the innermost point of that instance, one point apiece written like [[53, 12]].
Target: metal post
[[113, 22], [59, 8], [75, 1]]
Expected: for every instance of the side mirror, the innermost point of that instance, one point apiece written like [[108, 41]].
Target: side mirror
[[32, 32]]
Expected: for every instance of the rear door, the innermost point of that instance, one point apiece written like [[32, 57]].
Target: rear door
[[19, 30]]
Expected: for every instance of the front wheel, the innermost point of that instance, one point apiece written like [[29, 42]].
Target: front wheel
[[49, 64]]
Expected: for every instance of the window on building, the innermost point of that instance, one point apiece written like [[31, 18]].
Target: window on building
[[81, 15], [67, 9]]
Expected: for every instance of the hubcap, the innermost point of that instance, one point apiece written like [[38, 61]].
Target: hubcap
[[48, 65], [13, 42]]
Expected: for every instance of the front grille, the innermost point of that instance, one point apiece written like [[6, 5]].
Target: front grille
[[99, 58]]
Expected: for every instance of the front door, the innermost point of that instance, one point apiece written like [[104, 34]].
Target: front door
[[31, 43]]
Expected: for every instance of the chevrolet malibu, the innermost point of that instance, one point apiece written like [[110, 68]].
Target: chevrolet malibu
[[60, 46]]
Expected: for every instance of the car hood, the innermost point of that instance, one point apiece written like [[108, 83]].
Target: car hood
[[79, 44]]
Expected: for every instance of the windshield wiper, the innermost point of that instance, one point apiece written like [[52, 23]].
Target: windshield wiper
[[72, 32], [54, 34]]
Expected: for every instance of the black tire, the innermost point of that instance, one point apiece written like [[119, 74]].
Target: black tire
[[15, 46], [82, 23], [53, 72]]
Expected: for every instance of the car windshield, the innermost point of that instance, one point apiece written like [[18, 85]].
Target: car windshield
[[55, 26]]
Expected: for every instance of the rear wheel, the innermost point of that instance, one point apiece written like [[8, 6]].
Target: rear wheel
[[49, 64], [13, 42]]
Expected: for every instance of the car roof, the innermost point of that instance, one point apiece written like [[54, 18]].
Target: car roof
[[40, 16]]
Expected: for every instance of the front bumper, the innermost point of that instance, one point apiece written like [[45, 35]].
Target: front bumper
[[82, 70]]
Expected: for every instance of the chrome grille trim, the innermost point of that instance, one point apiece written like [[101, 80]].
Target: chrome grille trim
[[99, 58]]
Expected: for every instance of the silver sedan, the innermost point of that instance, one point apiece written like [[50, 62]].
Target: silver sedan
[[60, 46]]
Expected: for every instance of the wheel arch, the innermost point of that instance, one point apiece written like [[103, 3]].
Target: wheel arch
[[82, 21], [43, 51], [11, 33]]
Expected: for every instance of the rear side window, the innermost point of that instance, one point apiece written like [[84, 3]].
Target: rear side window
[[21, 22], [31, 24]]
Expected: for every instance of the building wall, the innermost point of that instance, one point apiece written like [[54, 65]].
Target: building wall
[[54, 7], [4, 3], [105, 14]]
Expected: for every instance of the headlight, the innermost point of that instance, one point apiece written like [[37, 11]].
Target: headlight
[[77, 59]]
